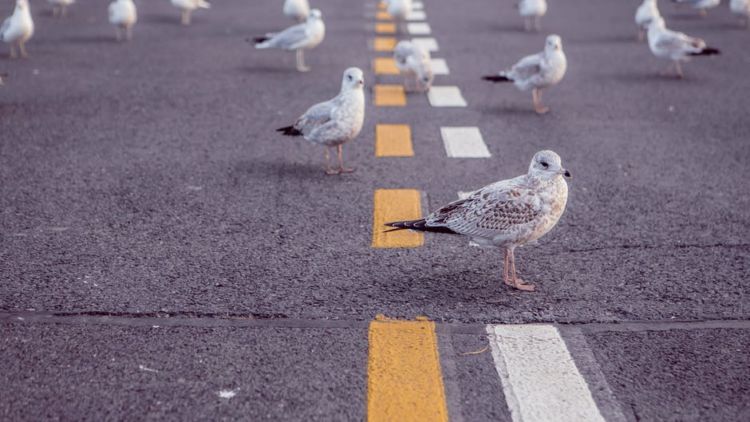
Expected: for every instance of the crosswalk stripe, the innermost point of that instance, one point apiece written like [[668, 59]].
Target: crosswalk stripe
[[390, 96], [393, 141], [440, 67], [416, 15], [429, 44], [539, 378], [464, 142], [384, 66], [404, 378], [383, 16], [395, 205]]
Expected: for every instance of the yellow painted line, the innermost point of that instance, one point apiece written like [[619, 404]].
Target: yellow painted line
[[382, 15], [382, 5], [404, 380], [390, 96], [393, 141], [395, 205], [384, 44], [384, 66], [385, 28]]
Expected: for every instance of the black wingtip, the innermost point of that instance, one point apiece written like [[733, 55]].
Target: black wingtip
[[418, 225], [495, 78], [708, 51], [257, 40], [289, 131]]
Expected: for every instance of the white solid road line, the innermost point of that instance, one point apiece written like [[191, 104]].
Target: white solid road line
[[429, 44], [419, 28], [464, 142], [540, 380], [440, 67], [446, 96], [416, 15], [417, 5]]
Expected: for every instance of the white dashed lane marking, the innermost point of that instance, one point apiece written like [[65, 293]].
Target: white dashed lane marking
[[440, 67], [416, 15], [429, 44], [539, 377], [419, 28], [446, 96], [464, 142]]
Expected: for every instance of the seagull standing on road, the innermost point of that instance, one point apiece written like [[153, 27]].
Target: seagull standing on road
[[415, 64], [18, 28], [187, 6], [299, 37], [297, 9], [741, 7], [531, 11], [399, 9], [60, 7], [123, 15], [701, 5], [537, 71], [335, 122], [646, 12], [675, 46], [505, 214]]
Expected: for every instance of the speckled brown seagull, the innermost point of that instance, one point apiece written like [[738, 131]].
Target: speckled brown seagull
[[505, 214]]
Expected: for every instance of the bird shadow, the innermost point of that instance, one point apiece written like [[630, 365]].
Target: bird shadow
[[264, 169], [91, 39], [162, 19], [268, 69], [654, 76], [508, 109]]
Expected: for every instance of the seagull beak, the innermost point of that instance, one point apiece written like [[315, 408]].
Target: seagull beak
[[565, 173], [362, 82]]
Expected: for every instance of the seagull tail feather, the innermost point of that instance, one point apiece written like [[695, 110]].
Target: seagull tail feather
[[418, 225], [708, 51], [289, 131], [496, 78], [260, 42]]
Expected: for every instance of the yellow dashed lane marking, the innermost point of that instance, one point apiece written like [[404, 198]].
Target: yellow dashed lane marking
[[390, 96], [384, 66], [393, 141], [395, 205], [384, 44], [382, 5], [404, 380], [385, 28], [382, 15]]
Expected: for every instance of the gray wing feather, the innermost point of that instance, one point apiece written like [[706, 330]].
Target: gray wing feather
[[289, 38], [315, 116], [4, 27]]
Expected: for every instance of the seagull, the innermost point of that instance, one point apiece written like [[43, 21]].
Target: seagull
[[505, 214], [675, 46], [645, 13], [335, 122], [297, 9], [60, 7], [399, 9], [415, 64], [531, 11], [741, 7], [123, 15], [18, 28], [701, 5], [300, 37], [187, 6], [537, 71]]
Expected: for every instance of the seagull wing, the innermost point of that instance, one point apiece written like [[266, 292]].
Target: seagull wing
[[314, 117], [526, 68], [5, 26], [493, 210], [677, 43], [289, 38]]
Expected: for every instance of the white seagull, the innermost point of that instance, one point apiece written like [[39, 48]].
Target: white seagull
[[415, 65], [701, 5], [505, 214], [741, 7], [123, 15], [296, 9], [399, 9], [187, 6], [537, 71], [675, 46], [300, 37], [60, 7], [18, 28], [335, 122], [646, 12], [531, 11]]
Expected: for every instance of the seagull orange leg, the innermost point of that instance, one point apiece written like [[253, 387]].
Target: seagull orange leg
[[342, 169], [328, 169], [517, 282], [536, 96], [506, 268]]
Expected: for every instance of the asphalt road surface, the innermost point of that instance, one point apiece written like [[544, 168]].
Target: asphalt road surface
[[162, 248]]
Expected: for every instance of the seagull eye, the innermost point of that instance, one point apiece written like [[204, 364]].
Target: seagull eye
[[544, 164], [350, 77]]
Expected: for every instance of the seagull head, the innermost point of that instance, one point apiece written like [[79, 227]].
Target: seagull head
[[22, 4], [315, 14], [547, 165], [553, 43], [353, 79]]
